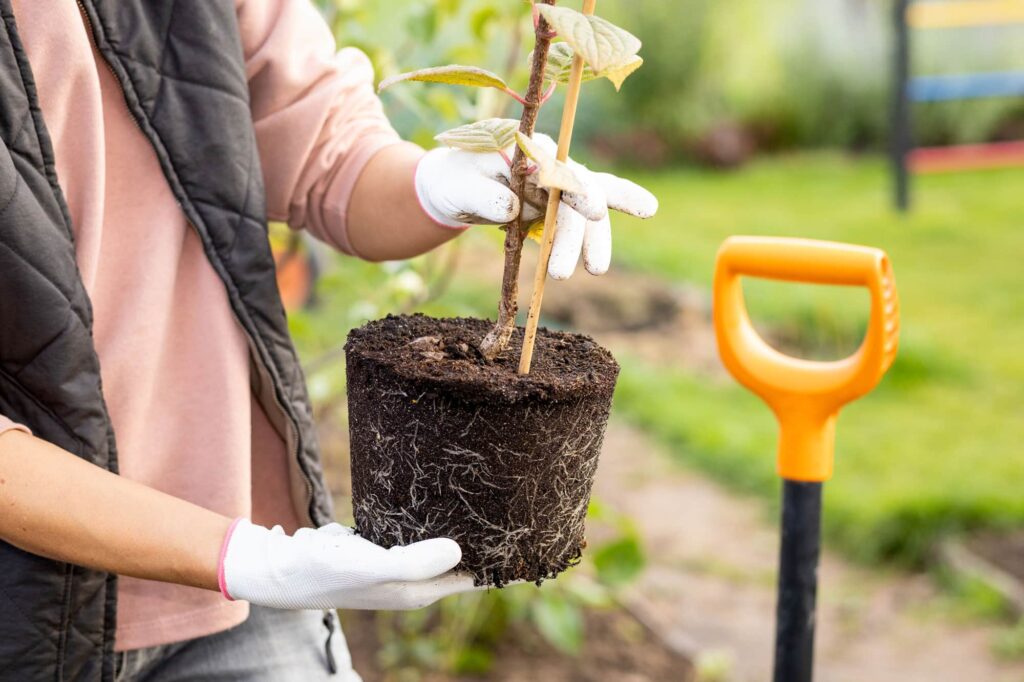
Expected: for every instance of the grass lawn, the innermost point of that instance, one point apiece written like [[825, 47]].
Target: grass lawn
[[939, 447]]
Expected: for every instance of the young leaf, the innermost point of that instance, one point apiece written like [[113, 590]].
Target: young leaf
[[560, 622], [619, 74], [619, 562], [490, 135], [602, 44], [559, 65], [471, 76], [553, 173]]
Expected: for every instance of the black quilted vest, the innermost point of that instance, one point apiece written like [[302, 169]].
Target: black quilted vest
[[181, 68]]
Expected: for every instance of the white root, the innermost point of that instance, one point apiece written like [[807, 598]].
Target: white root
[[513, 512]]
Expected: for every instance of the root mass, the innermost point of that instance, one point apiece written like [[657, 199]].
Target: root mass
[[448, 444]]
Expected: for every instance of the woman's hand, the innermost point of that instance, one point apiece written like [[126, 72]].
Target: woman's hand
[[332, 567], [458, 188]]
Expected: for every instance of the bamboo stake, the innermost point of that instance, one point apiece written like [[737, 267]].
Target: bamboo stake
[[572, 100]]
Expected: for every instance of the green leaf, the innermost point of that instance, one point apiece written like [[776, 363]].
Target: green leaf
[[559, 621], [474, 660], [559, 65], [619, 562], [603, 45], [454, 74], [619, 74], [553, 173], [422, 25], [490, 135], [481, 19], [598, 510]]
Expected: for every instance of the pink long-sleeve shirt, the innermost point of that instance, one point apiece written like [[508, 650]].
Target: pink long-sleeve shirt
[[174, 362]]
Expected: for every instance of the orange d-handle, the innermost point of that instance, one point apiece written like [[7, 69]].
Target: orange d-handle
[[805, 396]]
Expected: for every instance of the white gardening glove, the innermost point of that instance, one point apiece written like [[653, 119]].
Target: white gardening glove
[[459, 188], [332, 568]]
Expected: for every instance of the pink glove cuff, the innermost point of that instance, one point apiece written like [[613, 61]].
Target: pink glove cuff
[[221, 582]]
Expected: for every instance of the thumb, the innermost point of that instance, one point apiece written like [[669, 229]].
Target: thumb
[[480, 200], [424, 560]]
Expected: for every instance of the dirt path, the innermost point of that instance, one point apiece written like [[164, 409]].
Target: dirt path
[[710, 585]]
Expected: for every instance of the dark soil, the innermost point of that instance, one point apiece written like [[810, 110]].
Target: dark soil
[[617, 648], [446, 444]]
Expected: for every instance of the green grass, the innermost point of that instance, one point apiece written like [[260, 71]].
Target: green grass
[[939, 447]]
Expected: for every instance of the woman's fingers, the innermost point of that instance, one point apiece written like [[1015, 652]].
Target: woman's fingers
[[416, 595], [475, 189], [591, 202], [597, 246], [569, 235], [627, 197]]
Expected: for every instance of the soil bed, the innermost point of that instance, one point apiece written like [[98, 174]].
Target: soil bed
[[446, 444]]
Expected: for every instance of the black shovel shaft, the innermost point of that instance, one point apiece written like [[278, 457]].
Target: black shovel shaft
[[798, 581]]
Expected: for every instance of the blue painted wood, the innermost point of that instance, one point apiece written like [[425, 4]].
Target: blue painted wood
[[966, 86]]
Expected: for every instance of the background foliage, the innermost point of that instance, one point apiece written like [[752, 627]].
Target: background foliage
[[757, 74]]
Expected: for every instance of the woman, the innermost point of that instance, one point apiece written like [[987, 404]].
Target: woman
[[145, 145]]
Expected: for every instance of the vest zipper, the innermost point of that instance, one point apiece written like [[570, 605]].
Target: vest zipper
[[92, 39], [292, 437]]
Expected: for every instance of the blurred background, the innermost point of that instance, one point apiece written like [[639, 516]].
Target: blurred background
[[749, 117]]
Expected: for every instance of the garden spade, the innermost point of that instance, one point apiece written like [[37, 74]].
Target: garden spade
[[806, 397]]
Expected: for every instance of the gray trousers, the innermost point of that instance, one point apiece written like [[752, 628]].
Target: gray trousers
[[272, 645]]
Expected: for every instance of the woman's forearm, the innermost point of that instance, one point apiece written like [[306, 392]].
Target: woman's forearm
[[54, 504], [385, 219]]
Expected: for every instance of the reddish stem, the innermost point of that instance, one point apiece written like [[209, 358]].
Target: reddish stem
[[516, 96], [549, 93]]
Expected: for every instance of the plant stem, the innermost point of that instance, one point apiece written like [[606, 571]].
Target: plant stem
[[497, 339], [572, 100]]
